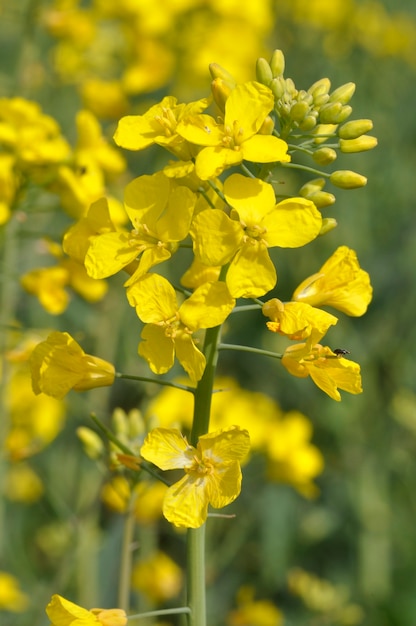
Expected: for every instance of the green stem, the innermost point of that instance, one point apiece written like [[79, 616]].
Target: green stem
[[305, 168], [176, 611], [231, 346], [125, 560], [163, 383]]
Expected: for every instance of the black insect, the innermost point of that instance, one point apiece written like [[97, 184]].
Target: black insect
[[341, 352]]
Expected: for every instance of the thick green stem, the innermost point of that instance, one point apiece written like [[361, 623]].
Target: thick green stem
[[196, 588], [125, 561]]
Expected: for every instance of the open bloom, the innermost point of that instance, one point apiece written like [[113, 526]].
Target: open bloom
[[62, 612], [212, 471], [237, 139], [328, 370], [256, 224], [340, 283], [169, 327], [161, 213], [59, 364]]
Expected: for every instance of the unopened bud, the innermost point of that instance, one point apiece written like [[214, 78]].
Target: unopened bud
[[308, 122], [328, 224], [92, 443], [361, 144], [354, 129], [299, 111], [322, 199], [311, 187], [136, 423], [324, 156], [278, 87], [329, 112], [290, 87], [326, 130], [263, 72], [277, 63], [120, 423], [343, 94], [319, 88], [267, 127], [217, 71], [343, 115], [346, 179], [220, 90]]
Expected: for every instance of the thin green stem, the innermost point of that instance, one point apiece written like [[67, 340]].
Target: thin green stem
[[163, 383], [176, 611], [238, 348], [305, 168], [125, 557], [217, 191]]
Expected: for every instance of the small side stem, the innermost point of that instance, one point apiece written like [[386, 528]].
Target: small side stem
[[125, 560]]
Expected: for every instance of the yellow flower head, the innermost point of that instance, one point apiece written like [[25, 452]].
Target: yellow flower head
[[62, 612], [60, 364], [256, 223], [340, 283], [158, 577], [158, 126], [11, 596], [160, 212], [238, 138], [297, 320], [169, 327], [212, 471], [328, 371]]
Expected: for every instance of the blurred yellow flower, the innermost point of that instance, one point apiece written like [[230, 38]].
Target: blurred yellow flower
[[60, 364], [158, 577], [22, 484], [251, 612], [11, 597]]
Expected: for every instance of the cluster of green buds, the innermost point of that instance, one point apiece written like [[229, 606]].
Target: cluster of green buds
[[314, 121]]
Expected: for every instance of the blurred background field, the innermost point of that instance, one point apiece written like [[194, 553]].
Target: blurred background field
[[341, 554]]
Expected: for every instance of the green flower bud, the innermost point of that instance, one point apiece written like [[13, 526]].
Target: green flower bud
[[308, 122], [344, 114], [324, 156], [277, 86], [328, 224], [311, 187], [290, 87], [354, 129], [299, 111], [277, 63], [320, 88], [92, 443], [329, 112], [324, 129], [346, 179], [263, 72], [120, 423], [361, 144], [322, 199], [343, 94]]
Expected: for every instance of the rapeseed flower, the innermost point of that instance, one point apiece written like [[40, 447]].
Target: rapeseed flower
[[328, 371], [212, 471], [160, 212], [62, 612], [157, 577], [238, 138], [340, 283], [297, 320], [59, 364], [11, 596], [256, 223], [169, 327]]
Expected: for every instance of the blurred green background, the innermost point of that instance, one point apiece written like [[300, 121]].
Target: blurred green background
[[360, 531]]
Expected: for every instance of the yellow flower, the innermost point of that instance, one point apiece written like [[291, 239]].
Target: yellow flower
[[158, 577], [292, 458], [48, 284], [60, 364], [62, 612], [297, 320], [212, 471], [328, 371], [256, 224], [169, 327], [159, 126], [251, 612], [340, 283], [22, 484], [238, 138], [160, 212], [11, 597]]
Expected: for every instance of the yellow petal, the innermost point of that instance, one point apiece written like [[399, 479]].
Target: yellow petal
[[265, 149], [168, 449], [251, 197], [154, 298], [294, 223], [216, 237], [191, 359], [109, 253], [186, 502], [62, 612], [211, 162], [208, 306], [224, 485], [157, 349], [251, 273]]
